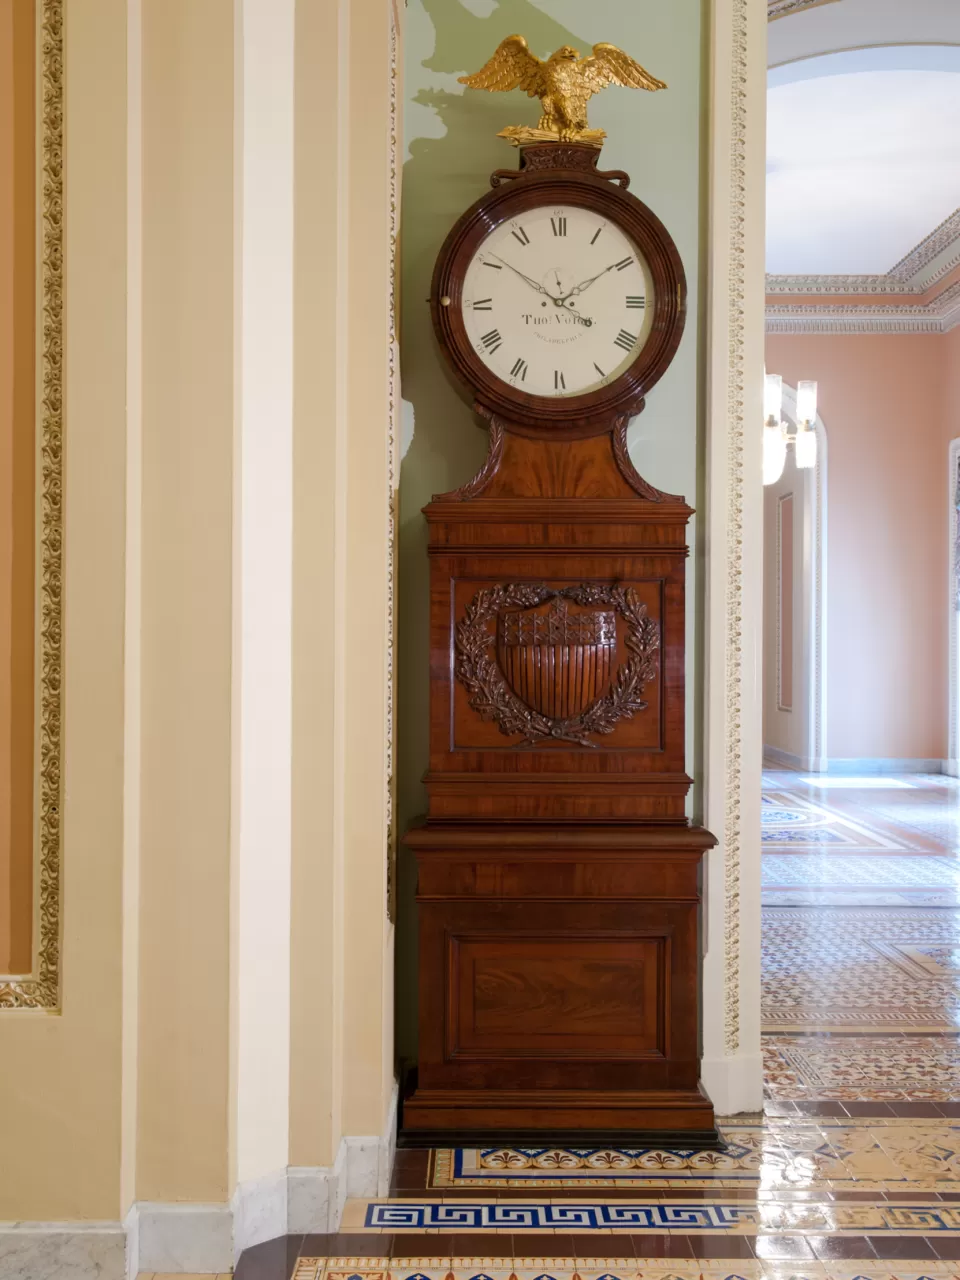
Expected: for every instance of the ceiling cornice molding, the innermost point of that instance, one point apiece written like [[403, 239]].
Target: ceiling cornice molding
[[940, 238], [909, 275], [835, 284], [781, 8], [940, 315]]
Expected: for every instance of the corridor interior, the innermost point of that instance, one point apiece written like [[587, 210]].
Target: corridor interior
[[852, 1171]]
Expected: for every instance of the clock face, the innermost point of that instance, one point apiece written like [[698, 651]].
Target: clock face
[[558, 301]]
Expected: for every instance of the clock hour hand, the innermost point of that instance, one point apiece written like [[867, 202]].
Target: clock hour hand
[[585, 284]]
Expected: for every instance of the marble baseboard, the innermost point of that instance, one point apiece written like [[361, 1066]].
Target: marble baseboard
[[311, 1199], [184, 1238], [733, 1085], [866, 765], [63, 1251], [787, 760], [197, 1238], [884, 764]]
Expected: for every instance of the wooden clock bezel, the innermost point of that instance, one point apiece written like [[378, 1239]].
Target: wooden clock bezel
[[591, 412]]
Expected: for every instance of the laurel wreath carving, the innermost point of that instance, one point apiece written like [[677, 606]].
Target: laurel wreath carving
[[493, 699]]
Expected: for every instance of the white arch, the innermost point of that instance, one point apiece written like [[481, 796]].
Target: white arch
[[856, 24]]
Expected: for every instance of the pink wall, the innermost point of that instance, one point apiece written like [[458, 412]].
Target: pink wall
[[891, 405]]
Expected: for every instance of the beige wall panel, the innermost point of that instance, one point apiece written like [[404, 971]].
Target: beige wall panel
[[60, 1074], [368, 947], [186, 638], [316, 988]]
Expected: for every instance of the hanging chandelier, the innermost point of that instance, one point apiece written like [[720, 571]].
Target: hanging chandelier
[[778, 435]]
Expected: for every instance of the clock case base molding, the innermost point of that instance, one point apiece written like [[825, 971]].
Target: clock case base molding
[[558, 876]]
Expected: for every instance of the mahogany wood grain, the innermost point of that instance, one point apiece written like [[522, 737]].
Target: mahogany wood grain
[[558, 877]]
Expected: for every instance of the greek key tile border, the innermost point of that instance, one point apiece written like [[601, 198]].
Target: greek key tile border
[[41, 989]]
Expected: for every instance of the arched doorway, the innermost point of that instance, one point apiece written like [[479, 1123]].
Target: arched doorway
[[794, 611]]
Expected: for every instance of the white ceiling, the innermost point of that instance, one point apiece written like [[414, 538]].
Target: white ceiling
[[863, 155]]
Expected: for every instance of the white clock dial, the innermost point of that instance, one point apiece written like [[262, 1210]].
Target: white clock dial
[[558, 301]]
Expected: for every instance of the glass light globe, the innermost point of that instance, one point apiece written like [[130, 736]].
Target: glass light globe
[[774, 452], [772, 396], [806, 447], [806, 402]]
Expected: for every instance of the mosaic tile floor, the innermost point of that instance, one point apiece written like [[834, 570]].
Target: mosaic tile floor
[[853, 1172], [588, 1268]]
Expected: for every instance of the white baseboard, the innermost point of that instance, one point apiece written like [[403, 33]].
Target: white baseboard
[[869, 766], [805, 764], [62, 1251], [783, 758], [195, 1238], [261, 1209], [185, 1238], [734, 1085]]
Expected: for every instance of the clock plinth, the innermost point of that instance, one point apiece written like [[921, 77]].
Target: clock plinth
[[558, 876]]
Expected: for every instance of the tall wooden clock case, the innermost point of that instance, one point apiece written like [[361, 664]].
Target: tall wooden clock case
[[558, 877]]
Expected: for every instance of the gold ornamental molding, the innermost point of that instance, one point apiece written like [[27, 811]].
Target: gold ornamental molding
[[41, 988], [393, 488]]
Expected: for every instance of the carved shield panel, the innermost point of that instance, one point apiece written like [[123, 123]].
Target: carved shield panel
[[560, 663], [556, 673]]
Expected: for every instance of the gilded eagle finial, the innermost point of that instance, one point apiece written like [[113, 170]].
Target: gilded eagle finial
[[564, 83]]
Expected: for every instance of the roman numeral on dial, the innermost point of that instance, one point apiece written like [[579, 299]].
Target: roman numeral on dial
[[559, 226], [521, 235], [625, 340], [599, 370], [558, 382], [595, 234], [637, 303], [623, 263], [492, 340], [483, 304], [519, 370], [496, 265]]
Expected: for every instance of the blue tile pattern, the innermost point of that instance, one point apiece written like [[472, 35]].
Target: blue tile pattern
[[547, 1217]]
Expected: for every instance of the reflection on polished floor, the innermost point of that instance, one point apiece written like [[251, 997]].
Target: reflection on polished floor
[[854, 1168]]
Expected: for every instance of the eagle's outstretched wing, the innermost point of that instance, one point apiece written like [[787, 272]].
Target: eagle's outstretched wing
[[512, 66], [610, 65]]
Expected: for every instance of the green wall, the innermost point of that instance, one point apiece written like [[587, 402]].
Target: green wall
[[450, 150]]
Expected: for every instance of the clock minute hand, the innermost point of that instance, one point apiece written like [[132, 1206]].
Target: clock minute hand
[[532, 283]]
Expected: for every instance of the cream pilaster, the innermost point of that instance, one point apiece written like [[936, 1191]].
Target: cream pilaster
[[367, 942], [734, 548], [342, 1024], [263, 460]]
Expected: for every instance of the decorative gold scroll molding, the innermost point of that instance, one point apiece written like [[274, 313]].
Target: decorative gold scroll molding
[[393, 491], [41, 989], [736, 417]]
